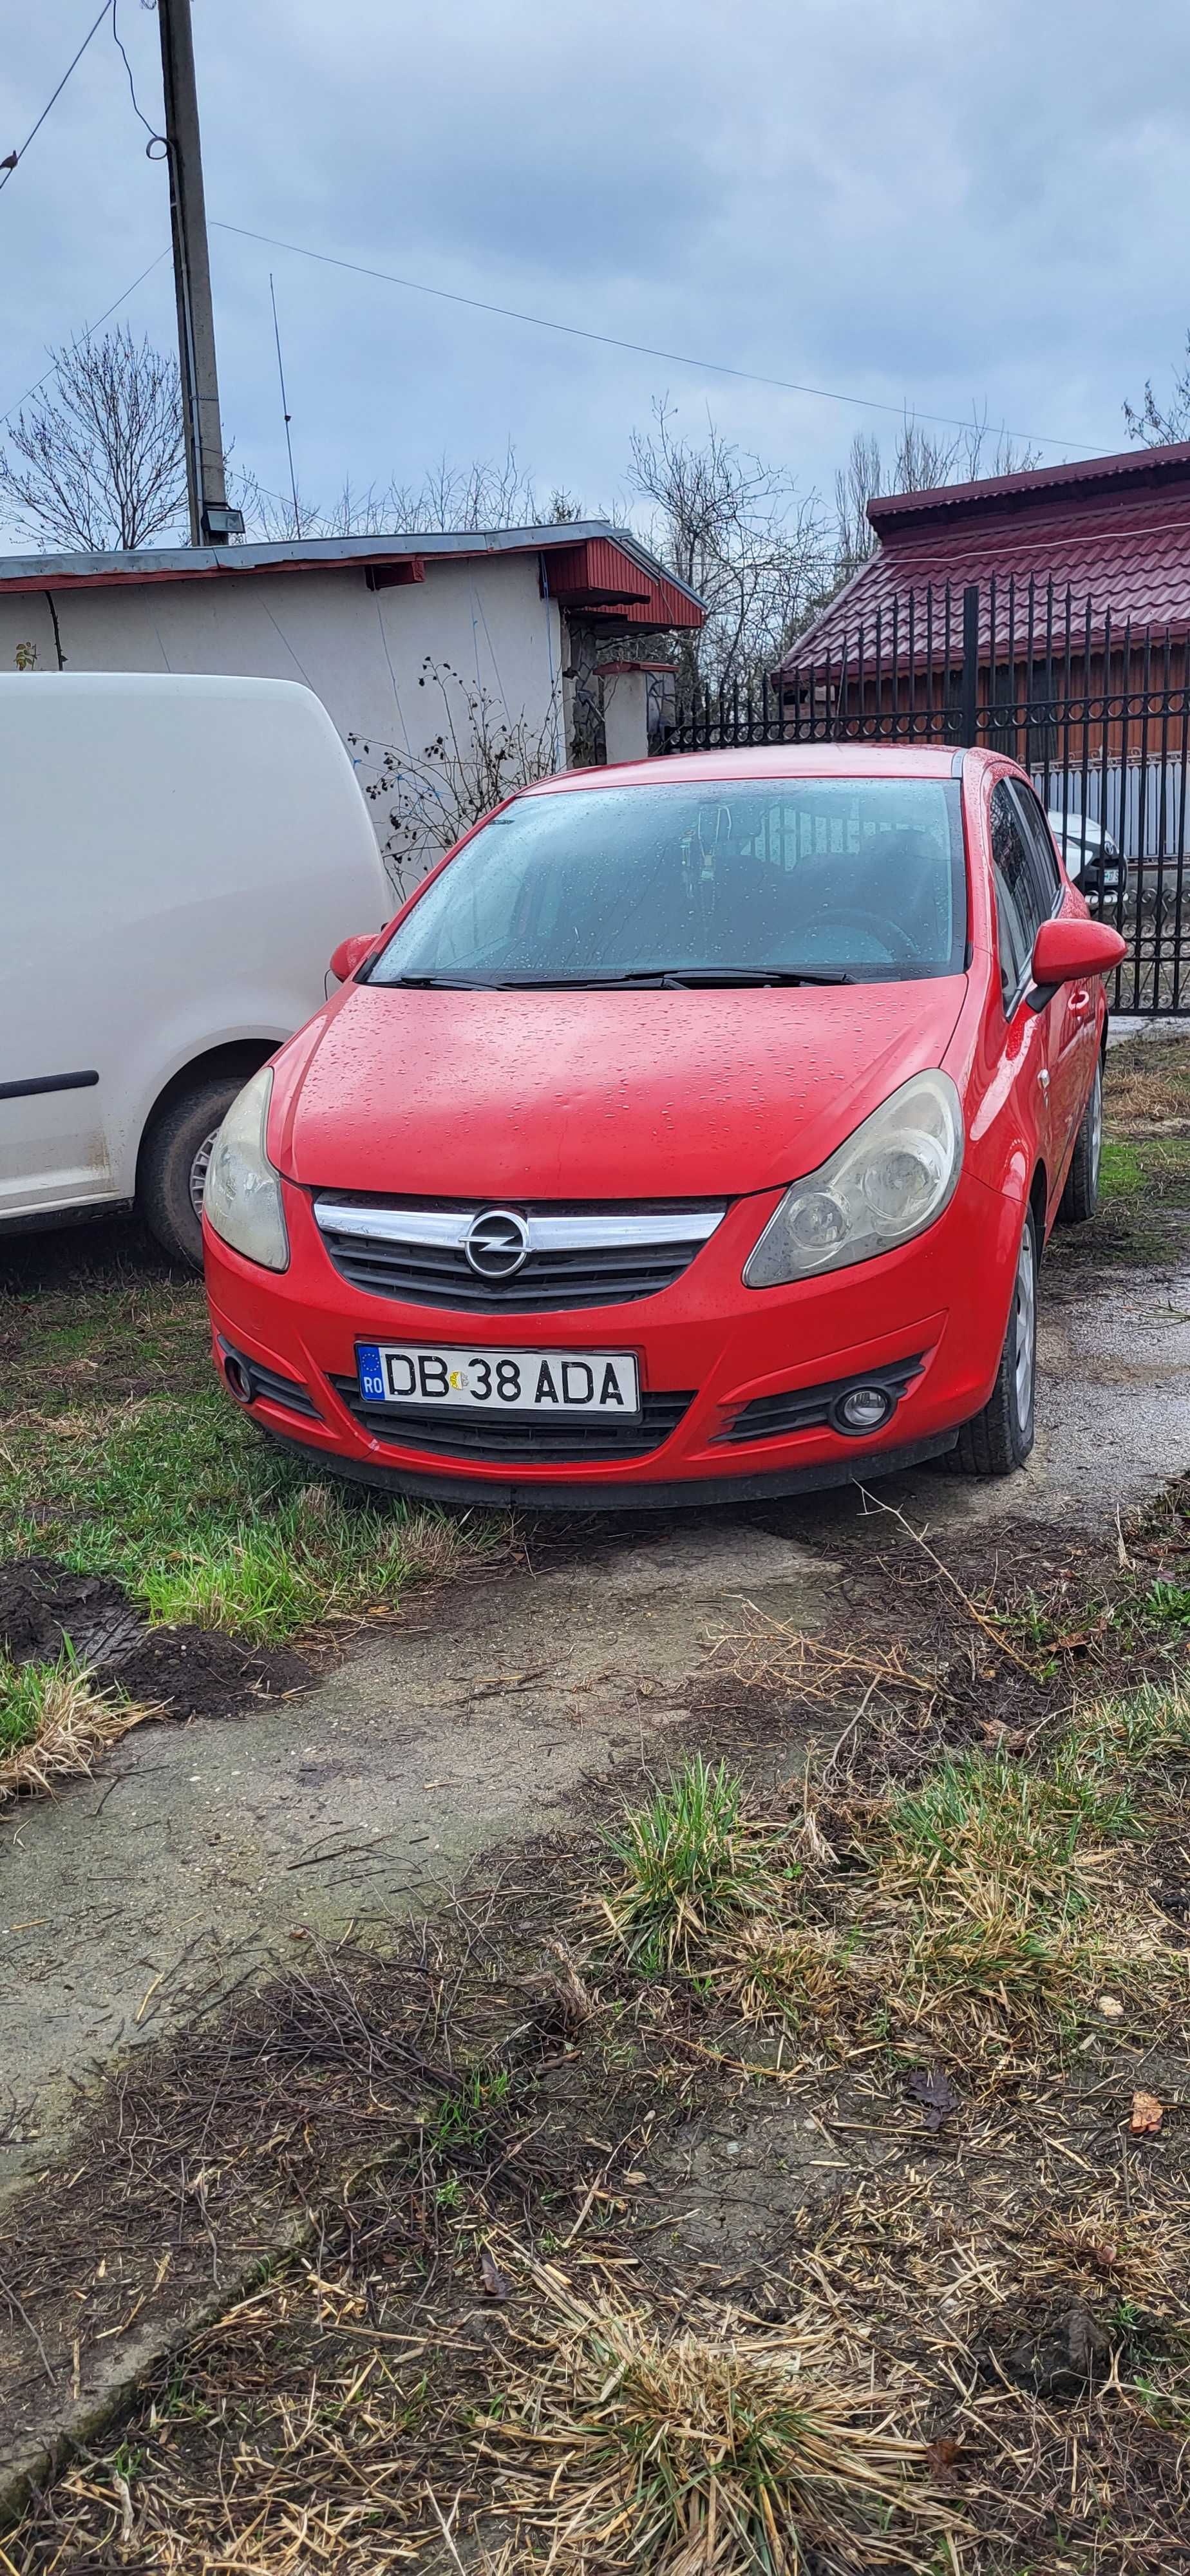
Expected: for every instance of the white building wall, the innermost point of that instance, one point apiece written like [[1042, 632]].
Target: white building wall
[[363, 652]]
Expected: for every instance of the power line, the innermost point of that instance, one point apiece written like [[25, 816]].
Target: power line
[[639, 348], [83, 336], [16, 157], [151, 130]]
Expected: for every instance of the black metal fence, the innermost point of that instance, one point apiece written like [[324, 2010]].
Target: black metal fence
[[1095, 707]]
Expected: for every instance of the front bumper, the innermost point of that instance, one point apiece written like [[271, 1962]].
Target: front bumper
[[707, 1348]]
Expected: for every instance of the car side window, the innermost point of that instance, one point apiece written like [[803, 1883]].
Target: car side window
[[1019, 912], [1040, 840]]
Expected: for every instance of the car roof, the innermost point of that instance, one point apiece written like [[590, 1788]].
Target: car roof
[[764, 760]]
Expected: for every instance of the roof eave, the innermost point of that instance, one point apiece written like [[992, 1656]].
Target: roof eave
[[312, 554]]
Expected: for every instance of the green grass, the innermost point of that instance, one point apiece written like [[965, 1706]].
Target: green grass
[[24, 1689], [983, 1816], [1168, 1603], [1133, 1732], [689, 1863], [1121, 1170], [121, 1454], [1152, 1166], [992, 1950], [464, 2119], [1144, 1177]]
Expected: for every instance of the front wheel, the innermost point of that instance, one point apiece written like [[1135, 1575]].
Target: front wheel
[[1001, 1437], [173, 1165], [1080, 1198]]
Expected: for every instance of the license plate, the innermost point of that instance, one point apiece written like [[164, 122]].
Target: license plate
[[553, 1382]]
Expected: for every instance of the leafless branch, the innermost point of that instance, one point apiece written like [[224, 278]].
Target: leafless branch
[[96, 461], [737, 531], [480, 753]]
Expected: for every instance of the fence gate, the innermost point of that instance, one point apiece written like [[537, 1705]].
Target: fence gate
[[1096, 710]]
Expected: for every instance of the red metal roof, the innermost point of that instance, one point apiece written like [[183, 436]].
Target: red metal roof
[[604, 580], [1140, 468], [1114, 531]]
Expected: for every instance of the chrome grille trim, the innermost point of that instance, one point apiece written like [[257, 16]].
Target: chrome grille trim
[[449, 1227], [580, 1257]]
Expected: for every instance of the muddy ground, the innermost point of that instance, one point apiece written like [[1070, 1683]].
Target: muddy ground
[[247, 1965], [430, 2117], [200, 1849]]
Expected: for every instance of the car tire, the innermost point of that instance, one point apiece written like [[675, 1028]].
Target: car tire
[[1080, 1198], [999, 1439], [173, 1164]]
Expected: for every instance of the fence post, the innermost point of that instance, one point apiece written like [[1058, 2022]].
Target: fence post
[[968, 712]]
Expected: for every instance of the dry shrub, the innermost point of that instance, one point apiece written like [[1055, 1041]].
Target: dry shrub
[[795, 1972], [629, 2440], [55, 1725]]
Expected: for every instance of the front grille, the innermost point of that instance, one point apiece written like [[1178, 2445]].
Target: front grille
[[275, 1389], [516, 1440], [596, 1257], [808, 1408]]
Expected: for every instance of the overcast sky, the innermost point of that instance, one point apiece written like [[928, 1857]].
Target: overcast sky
[[924, 202]]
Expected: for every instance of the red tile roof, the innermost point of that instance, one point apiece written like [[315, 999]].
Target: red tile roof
[[1114, 531]]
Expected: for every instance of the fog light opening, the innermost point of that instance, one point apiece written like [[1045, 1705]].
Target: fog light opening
[[863, 1409], [238, 1378]]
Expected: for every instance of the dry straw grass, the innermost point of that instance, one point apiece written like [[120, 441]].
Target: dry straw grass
[[54, 1725], [628, 2439]]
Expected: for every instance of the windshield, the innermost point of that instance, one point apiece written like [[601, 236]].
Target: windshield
[[856, 879]]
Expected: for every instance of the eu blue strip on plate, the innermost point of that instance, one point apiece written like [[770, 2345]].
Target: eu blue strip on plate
[[371, 1376]]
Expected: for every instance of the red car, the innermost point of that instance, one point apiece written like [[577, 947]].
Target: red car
[[694, 1131]]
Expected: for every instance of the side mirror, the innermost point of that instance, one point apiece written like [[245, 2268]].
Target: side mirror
[[351, 953], [1066, 950]]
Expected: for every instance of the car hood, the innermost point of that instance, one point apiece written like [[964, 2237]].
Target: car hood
[[573, 1095]]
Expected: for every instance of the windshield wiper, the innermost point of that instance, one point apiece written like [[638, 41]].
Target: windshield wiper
[[663, 978], [672, 978], [752, 975]]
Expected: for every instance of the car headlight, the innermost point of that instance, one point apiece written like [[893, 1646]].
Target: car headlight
[[886, 1184], [242, 1195]]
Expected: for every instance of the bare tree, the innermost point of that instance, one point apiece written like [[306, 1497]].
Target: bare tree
[[857, 482], [736, 530], [921, 462], [96, 461], [1152, 427], [449, 497]]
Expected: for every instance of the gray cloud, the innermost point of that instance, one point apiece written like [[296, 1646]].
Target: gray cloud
[[916, 200]]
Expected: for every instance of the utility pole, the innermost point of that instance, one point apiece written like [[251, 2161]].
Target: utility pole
[[211, 521]]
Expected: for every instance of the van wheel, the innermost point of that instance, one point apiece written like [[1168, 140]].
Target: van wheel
[[173, 1165], [1001, 1437], [1080, 1198]]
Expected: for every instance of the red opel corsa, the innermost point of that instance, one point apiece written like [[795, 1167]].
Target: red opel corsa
[[694, 1131]]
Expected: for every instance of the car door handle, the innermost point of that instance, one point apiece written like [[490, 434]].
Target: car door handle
[[1044, 1079], [1078, 1002]]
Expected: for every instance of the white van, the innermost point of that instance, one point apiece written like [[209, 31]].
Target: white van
[[178, 858]]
